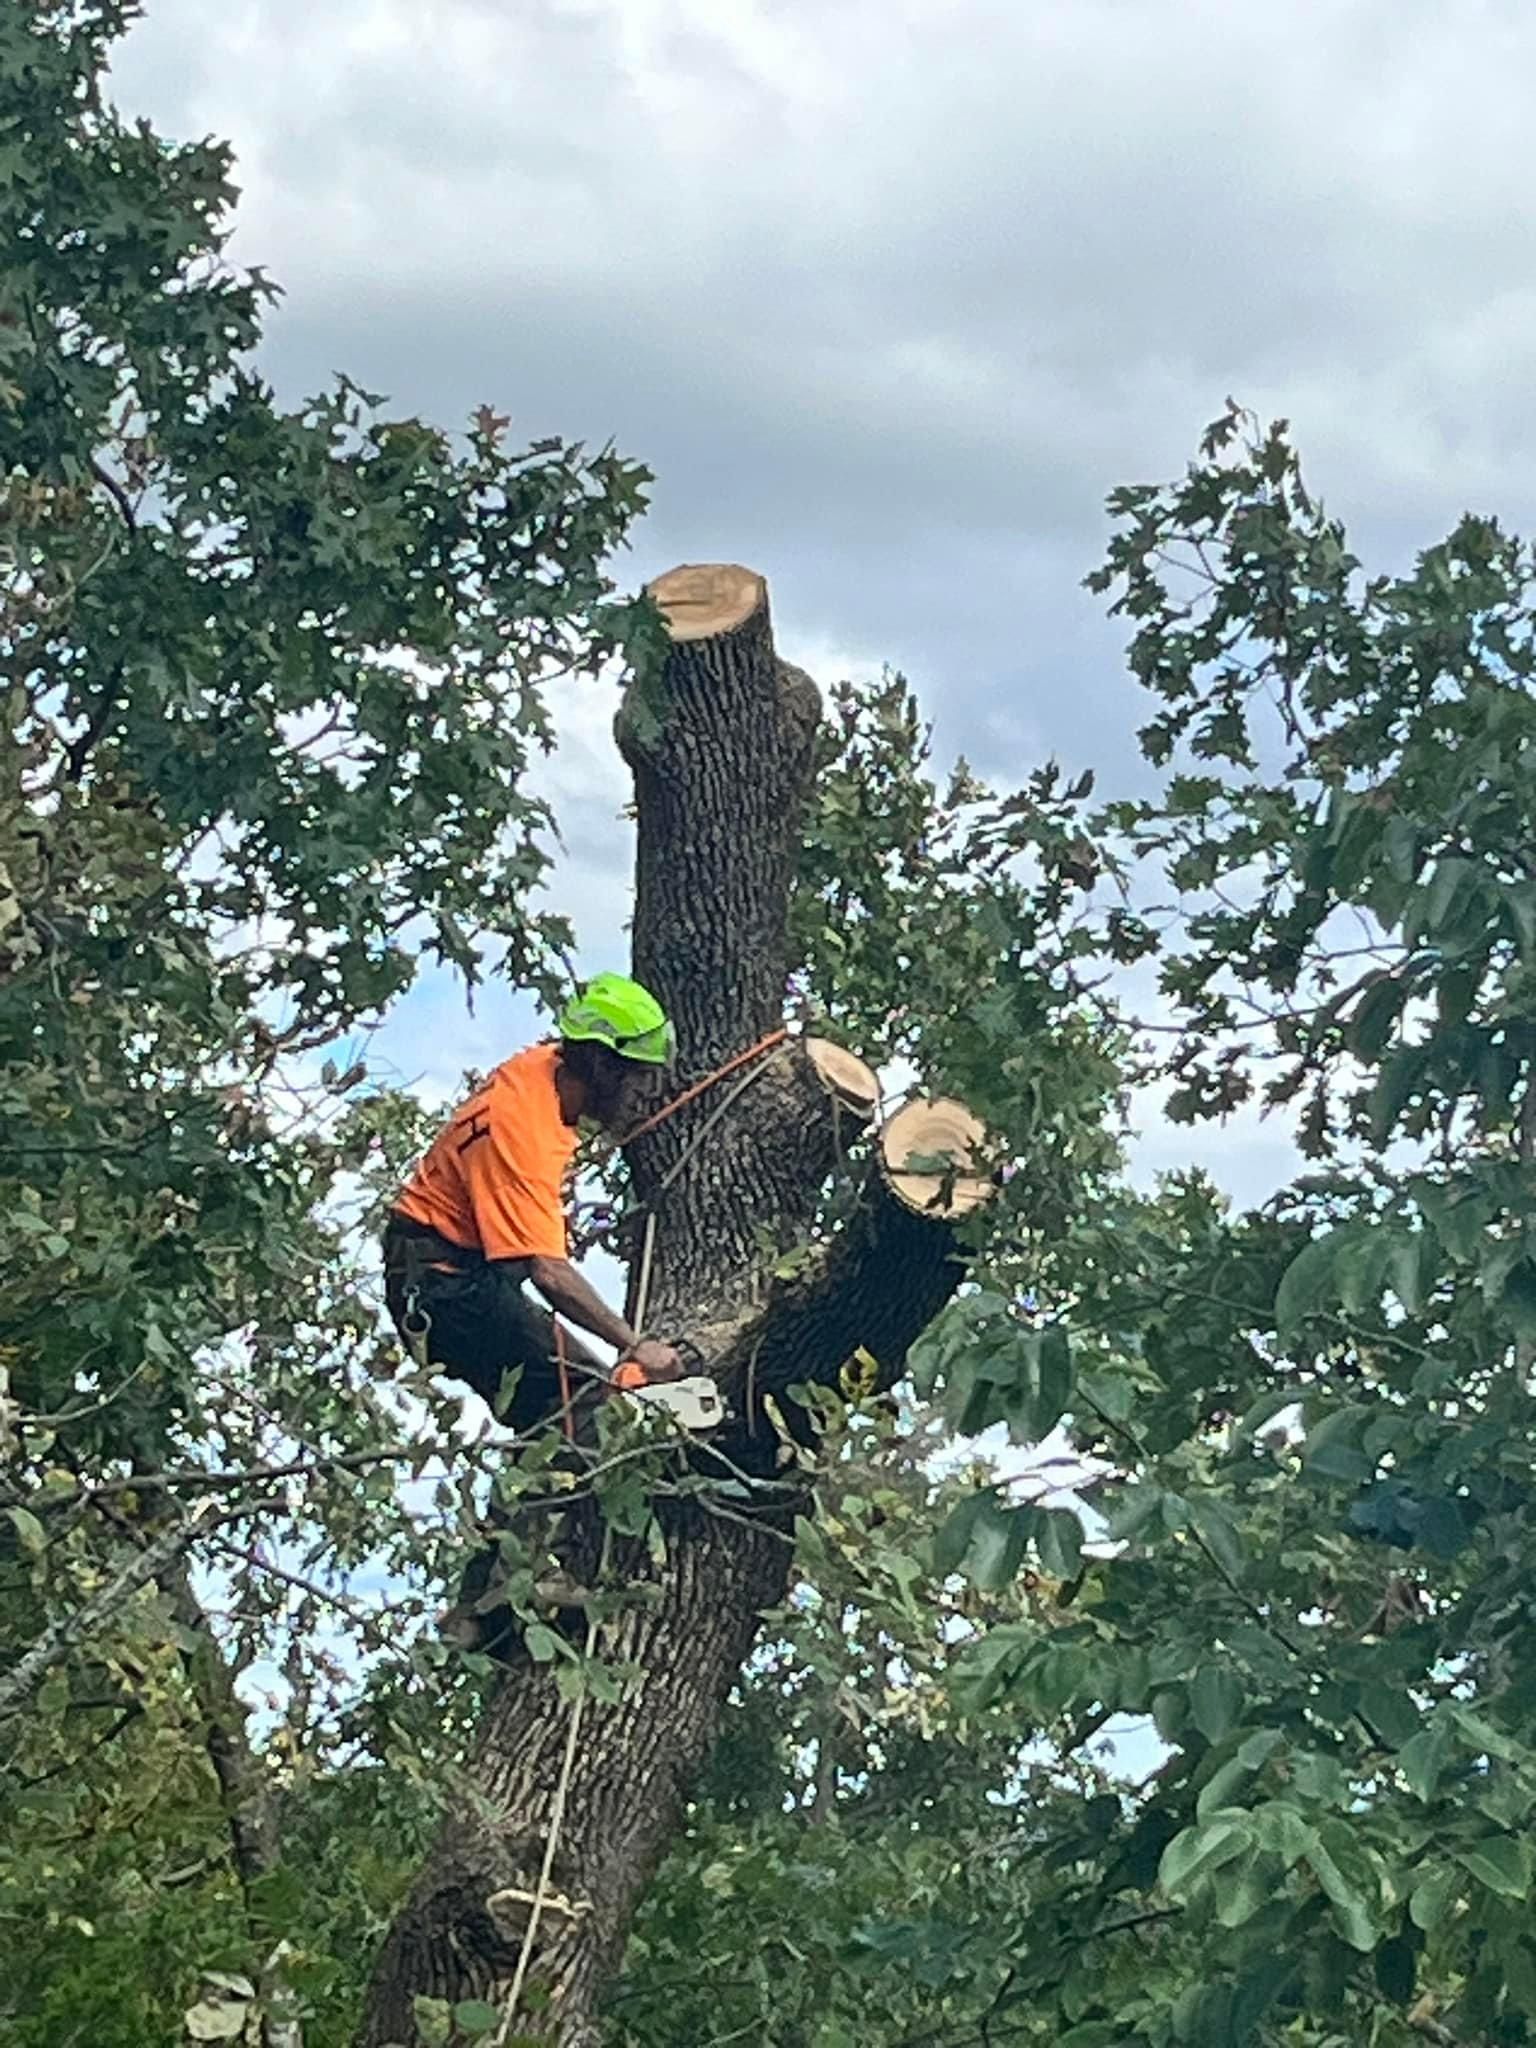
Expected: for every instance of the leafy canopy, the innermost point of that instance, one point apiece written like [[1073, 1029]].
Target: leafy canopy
[[273, 678]]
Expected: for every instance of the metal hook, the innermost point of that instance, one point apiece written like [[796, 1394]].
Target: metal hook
[[416, 1328]]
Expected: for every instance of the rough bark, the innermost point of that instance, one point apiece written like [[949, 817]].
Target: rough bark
[[721, 752], [246, 1792], [720, 785], [244, 1787], [460, 1932]]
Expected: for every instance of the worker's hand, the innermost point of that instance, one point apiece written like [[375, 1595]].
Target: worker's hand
[[656, 1360]]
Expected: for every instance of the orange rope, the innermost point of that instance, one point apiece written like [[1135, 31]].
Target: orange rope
[[670, 1109]]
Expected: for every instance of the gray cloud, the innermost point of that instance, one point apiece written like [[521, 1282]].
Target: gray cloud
[[890, 292]]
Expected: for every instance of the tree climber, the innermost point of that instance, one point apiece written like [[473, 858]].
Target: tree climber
[[484, 1212]]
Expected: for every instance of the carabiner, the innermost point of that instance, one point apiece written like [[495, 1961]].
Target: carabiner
[[416, 1329]]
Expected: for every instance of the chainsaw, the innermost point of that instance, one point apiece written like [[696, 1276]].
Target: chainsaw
[[693, 1402]]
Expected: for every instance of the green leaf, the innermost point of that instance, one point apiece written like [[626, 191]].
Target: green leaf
[[832, 2034], [1199, 1852], [34, 1538], [1400, 1076], [953, 1538], [1443, 1529], [1397, 1968], [1407, 1268], [1422, 1758], [1347, 1895], [1244, 1890], [1374, 1015], [1053, 1384], [1255, 1992], [1135, 1508], [1217, 1530], [1482, 1736], [1281, 1829], [1319, 1778], [1501, 1862], [1258, 1412], [474, 2017], [1215, 1701], [1518, 1301], [996, 1548], [1359, 1271], [1433, 1897], [1059, 1542], [1221, 1788], [1391, 1711], [1111, 1394], [1306, 1284], [1202, 2016], [215, 2020], [1170, 1713], [434, 2020], [1333, 1448], [1519, 904]]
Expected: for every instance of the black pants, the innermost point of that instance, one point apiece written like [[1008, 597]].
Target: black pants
[[482, 1323]]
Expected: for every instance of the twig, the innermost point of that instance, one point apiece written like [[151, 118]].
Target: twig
[[128, 1714], [59, 1639], [343, 1605], [115, 491], [252, 1475]]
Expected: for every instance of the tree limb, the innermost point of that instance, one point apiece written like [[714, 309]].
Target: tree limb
[[56, 1642]]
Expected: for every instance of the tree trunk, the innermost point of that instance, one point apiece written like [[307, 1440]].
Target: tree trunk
[[721, 749]]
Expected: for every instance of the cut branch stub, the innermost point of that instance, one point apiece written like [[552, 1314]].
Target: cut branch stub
[[934, 1155], [875, 1283], [851, 1084]]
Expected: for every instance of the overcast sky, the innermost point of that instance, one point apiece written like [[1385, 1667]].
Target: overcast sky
[[890, 293]]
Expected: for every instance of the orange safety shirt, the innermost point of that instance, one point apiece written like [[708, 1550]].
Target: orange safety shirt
[[494, 1180]]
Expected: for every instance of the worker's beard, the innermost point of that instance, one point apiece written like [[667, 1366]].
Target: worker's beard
[[616, 1095]]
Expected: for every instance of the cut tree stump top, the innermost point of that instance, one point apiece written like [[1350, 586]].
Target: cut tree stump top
[[702, 599]]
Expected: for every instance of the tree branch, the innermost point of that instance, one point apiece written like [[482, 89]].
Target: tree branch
[[871, 1289], [249, 1808], [56, 1642]]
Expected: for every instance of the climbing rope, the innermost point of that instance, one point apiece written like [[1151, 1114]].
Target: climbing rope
[[766, 1043], [556, 1820], [769, 1042], [541, 1890]]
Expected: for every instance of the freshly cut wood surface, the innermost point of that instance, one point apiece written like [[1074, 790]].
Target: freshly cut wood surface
[[845, 1076], [700, 599], [937, 1128]]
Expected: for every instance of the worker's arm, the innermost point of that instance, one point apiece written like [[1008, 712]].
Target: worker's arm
[[569, 1295]]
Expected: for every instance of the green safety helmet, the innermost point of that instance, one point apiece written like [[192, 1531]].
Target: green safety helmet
[[622, 1015]]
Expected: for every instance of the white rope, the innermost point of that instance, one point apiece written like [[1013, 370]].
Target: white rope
[[541, 1892], [556, 1819]]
